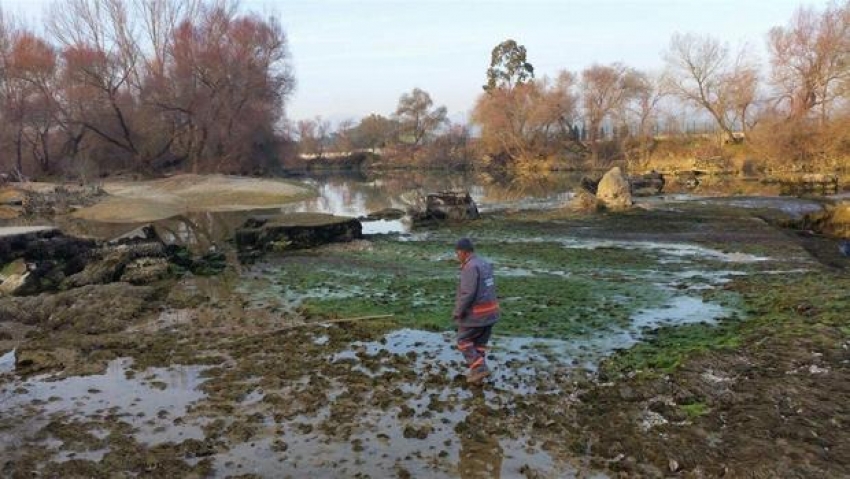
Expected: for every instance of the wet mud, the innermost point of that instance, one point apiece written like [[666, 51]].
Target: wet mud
[[688, 339]]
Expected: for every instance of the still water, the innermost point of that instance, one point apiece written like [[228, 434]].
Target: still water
[[353, 195], [358, 195]]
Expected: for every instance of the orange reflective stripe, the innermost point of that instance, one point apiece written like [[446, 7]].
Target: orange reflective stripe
[[485, 308], [476, 363]]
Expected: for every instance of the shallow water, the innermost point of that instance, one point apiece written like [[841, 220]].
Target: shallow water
[[381, 440], [147, 400]]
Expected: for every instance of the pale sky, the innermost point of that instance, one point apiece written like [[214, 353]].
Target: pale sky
[[356, 57]]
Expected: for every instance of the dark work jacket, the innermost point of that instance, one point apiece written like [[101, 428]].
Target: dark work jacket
[[475, 302]]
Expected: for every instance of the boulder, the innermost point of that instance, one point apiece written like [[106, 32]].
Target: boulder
[[614, 191], [29, 362], [63, 199], [37, 243], [295, 231], [584, 201]]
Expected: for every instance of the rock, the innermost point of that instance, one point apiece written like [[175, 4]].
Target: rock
[[295, 231], [15, 268], [385, 214], [39, 243], [112, 262], [584, 201], [146, 271], [590, 184], [673, 465], [834, 221], [17, 284], [614, 190], [649, 184], [61, 200], [448, 205], [100, 271], [83, 310]]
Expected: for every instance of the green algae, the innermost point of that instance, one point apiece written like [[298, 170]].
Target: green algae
[[694, 410], [565, 292], [809, 305]]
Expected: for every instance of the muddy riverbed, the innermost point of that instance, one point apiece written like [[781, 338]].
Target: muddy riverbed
[[685, 338]]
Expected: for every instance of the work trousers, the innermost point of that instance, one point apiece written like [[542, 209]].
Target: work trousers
[[472, 343]]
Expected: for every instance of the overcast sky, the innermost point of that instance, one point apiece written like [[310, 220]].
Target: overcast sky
[[355, 57]]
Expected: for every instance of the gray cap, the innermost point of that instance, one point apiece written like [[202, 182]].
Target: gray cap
[[464, 244]]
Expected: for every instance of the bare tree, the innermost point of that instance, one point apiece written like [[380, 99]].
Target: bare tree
[[648, 94], [809, 60], [101, 57], [159, 19], [606, 93], [702, 72], [313, 136], [230, 75]]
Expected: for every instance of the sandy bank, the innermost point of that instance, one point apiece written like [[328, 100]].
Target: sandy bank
[[167, 197]]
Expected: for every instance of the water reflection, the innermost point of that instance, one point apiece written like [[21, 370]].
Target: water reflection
[[480, 452], [358, 194]]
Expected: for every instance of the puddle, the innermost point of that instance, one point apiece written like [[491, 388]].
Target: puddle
[[430, 431], [423, 435], [7, 362], [518, 362], [795, 207], [384, 451], [149, 401], [669, 252], [374, 227]]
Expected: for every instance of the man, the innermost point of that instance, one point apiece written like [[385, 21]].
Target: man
[[476, 309]]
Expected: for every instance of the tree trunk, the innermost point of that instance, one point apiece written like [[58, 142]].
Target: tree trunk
[[19, 164]]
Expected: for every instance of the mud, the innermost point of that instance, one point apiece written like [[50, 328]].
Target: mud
[[698, 342]]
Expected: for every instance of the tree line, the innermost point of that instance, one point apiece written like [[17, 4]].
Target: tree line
[[200, 86], [710, 100], [142, 85]]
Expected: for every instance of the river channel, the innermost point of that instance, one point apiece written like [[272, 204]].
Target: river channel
[[387, 398]]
